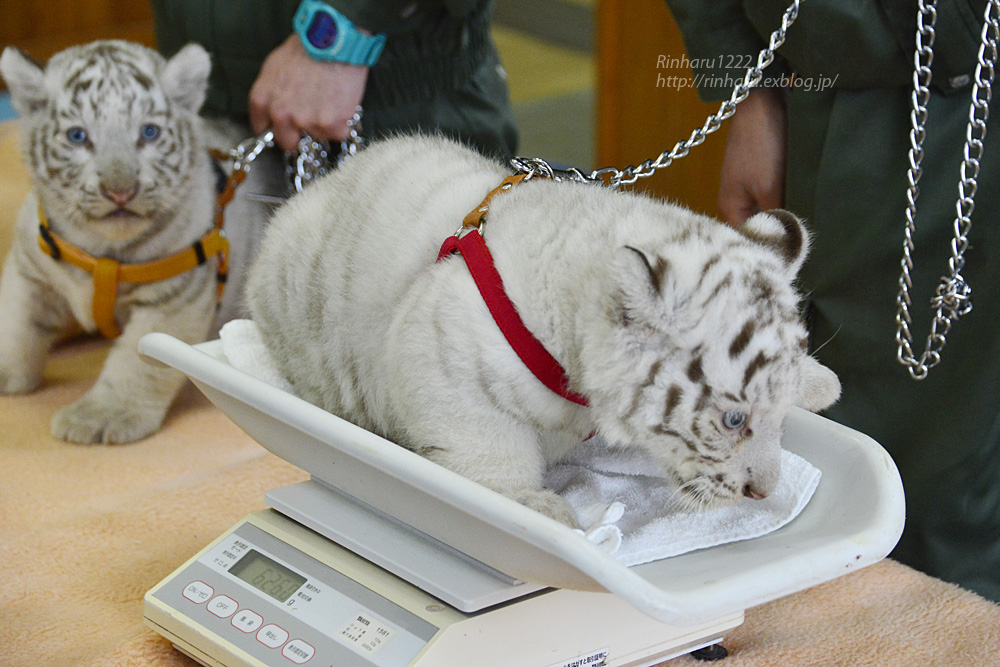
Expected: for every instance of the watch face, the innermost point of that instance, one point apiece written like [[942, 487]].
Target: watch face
[[322, 31]]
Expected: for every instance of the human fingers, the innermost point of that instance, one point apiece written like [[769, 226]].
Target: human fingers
[[258, 103]]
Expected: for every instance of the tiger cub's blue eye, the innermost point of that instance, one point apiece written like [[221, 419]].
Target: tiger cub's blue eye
[[733, 420], [77, 135], [149, 132]]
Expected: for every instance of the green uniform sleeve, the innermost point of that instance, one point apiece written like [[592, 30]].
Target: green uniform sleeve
[[383, 16], [461, 8], [388, 16], [718, 37]]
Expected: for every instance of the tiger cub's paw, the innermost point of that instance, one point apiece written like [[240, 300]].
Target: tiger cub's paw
[[550, 504], [18, 381], [90, 421]]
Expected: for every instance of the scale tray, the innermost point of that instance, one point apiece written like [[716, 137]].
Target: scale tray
[[853, 520]]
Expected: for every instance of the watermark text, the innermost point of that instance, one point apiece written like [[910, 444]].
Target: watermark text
[[728, 71]]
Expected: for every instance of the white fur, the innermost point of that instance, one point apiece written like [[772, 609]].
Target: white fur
[[109, 90], [365, 324]]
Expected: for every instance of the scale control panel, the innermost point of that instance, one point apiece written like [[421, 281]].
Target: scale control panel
[[283, 607]]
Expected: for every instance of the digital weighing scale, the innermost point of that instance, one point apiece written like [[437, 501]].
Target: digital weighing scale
[[384, 558]]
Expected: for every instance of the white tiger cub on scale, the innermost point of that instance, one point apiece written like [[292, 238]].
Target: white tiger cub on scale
[[113, 143], [683, 334]]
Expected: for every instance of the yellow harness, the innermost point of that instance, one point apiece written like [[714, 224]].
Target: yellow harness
[[108, 273]]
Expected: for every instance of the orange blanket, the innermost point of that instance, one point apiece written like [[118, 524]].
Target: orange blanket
[[85, 531]]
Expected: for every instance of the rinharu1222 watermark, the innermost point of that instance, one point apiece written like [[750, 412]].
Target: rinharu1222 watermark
[[726, 71]]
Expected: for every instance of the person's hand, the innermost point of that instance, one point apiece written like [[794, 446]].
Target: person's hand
[[296, 95], [753, 167]]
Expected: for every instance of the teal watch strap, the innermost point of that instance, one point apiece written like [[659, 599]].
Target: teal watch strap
[[328, 35]]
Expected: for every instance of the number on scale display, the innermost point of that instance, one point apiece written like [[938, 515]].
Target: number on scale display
[[267, 576]]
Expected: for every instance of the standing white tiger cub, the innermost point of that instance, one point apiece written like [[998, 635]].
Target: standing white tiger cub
[[112, 140], [682, 333]]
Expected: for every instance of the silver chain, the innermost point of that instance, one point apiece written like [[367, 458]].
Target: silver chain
[[953, 296], [313, 158], [250, 149], [616, 177]]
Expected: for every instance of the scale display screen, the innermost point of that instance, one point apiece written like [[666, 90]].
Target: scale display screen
[[267, 576]]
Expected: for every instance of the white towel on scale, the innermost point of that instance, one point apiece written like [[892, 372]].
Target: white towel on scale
[[624, 507], [637, 517]]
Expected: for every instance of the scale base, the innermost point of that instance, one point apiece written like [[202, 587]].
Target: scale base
[[551, 628]]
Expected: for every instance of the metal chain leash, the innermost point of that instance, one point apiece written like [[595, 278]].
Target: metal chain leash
[[250, 149], [953, 296], [312, 160], [614, 177]]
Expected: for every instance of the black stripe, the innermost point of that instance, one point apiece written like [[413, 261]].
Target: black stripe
[[695, 372], [50, 241], [742, 340], [637, 396], [756, 364], [673, 400], [675, 434], [199, 251]]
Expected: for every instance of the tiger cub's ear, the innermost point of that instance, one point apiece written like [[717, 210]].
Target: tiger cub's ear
[[185, 77], [780, 232], [26, 79], [644, 285], [820, 386]]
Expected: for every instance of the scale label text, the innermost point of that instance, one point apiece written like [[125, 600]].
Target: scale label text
[[365, 632], [595, 659]]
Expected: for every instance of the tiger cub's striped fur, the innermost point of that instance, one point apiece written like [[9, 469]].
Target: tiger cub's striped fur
[[682, 332], [112, 139]]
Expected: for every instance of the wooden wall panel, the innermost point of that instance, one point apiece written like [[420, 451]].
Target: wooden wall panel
[[646, 102], [43, 27]]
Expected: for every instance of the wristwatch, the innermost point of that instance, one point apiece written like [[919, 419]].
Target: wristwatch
[[328, 35]]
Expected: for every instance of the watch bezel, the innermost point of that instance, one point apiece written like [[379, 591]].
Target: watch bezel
[[339, 36]]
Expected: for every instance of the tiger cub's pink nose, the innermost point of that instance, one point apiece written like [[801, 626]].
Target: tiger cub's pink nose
[[119, 196]]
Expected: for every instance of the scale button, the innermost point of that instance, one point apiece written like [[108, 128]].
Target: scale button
[[198, 592], [272, 636], [223, 606], [247, 621], [298, 651]]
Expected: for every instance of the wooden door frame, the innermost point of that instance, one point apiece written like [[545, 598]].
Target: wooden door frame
[[646, 102]]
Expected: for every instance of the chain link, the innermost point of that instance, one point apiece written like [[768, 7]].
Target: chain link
[[250, 149], [614, 177], [312, 159], [953, 296]]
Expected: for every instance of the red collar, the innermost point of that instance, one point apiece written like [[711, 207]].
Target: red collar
[[477, 257]]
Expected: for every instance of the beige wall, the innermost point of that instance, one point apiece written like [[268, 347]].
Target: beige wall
[[43, 27]]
